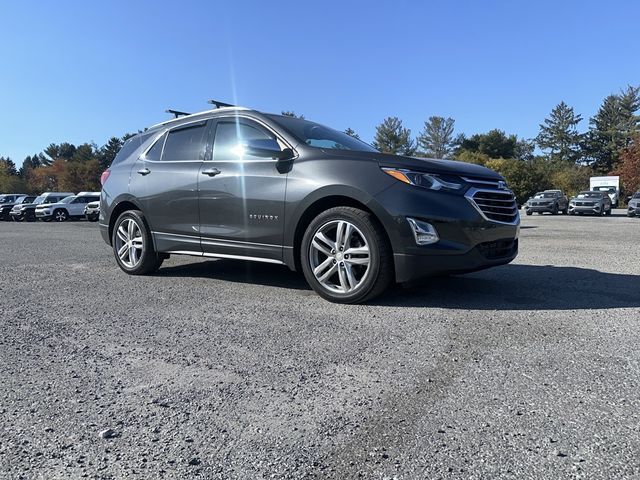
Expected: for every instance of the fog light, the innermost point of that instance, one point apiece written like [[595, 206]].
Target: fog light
[[423, 232]]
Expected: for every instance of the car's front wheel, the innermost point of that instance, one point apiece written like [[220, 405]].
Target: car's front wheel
[[60, 215], [345, 256], [133, 246]]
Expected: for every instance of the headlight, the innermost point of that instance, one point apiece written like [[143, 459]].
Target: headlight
[[421, 179]]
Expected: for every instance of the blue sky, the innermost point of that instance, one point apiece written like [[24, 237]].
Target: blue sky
[[84, 71]]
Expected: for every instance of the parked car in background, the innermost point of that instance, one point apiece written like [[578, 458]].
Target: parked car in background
[[92, 211], [72, 207], [551, 201], [597, 203], [237, 183], [10, 197], [27, 211], [633, 209], [5, 208]]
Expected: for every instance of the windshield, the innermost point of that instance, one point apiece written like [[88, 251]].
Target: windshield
[[4, 198], [589, 195], [636, 195], [545, 195], [67, 199], [319, 136], [39, 199]]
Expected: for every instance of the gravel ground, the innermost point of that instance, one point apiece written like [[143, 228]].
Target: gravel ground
[[222, 369]]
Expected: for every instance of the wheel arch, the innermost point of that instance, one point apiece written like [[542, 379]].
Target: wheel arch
[[121, 206], [318, 204]]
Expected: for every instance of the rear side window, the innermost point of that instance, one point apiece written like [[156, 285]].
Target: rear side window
[[155, 152], [186, 143], [129, 147], [232, 135]]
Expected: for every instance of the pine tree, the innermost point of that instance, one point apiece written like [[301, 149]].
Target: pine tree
[[612, 129], [436, 138], [559, 134], [392, 137], [109, 151]]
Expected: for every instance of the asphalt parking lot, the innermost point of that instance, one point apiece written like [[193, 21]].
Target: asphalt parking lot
[[223, 369]]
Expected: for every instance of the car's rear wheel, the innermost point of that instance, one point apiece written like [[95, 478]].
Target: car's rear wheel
[[60, 215], [345, 256], [133, 246]]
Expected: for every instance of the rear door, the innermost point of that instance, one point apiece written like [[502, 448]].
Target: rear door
[[165, 180], [242, 196]]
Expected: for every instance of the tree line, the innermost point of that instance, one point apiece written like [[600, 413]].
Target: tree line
[[60, 167], [610, 145]]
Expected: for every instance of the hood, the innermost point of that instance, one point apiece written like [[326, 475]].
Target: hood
[[427, 165], [50, 205]]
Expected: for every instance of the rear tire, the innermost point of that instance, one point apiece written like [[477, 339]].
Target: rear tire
[[133, 245], [345, 256]]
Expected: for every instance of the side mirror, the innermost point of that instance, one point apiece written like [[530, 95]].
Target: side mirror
[[267, 149]]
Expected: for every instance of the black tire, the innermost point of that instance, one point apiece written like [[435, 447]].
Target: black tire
[[15, 218], [60, 215], [566, 210], [149, 259], [608, 212], [529, 212], [554, 211], [92, 218], [380, 274]]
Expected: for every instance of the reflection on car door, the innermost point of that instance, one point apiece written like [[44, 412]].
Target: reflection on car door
[[165, 180], [242, 196]]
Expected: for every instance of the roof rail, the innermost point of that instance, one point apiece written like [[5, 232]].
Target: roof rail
[[177, 113], [219, 104]]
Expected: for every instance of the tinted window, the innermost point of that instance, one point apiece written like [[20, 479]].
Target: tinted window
[[316, 135], [130, 146], [185, 143], [155, 151], [232, 136]]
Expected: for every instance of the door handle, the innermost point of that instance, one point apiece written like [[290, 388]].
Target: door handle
[[212, 172], [144, 171]]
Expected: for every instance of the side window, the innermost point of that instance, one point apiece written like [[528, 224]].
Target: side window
[[231, 137], [186, 143], [155, 151]]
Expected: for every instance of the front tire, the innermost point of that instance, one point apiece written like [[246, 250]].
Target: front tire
[[133, 246], [345, 256], [60, 215]]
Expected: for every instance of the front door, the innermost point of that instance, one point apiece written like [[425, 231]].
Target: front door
[[165, 180], [242, 196]]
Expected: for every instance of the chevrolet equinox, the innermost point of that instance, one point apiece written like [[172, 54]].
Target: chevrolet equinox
[[240, 184]]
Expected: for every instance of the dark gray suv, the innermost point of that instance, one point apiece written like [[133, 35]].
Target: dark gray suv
[[237, 183]]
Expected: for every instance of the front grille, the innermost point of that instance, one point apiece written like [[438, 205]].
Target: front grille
[[585, 204], [496, 205], [499, 248]]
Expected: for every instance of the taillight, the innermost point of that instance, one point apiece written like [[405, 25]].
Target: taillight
[[104, 176]]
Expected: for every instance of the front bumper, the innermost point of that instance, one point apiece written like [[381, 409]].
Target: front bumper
[[539, 208], [585, 208], [43, 213], [467, 240], [633, 211]]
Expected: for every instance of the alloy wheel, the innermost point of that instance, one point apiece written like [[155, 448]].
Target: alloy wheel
[[129, 242], [339, 256], [60, 216]]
